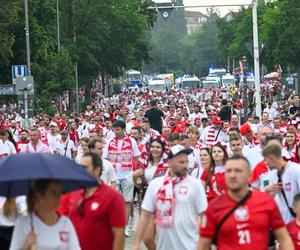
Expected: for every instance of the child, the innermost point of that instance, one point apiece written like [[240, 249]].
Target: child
[[294, 226]]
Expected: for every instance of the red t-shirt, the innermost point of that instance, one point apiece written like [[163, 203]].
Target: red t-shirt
[[61, 123], [95, 216], [294, 231], [248, 227], [216, 184]]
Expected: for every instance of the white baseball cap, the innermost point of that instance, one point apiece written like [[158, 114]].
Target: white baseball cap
[[179, 149]]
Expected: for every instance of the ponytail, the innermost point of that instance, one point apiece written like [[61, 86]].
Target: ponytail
[[10, 207]]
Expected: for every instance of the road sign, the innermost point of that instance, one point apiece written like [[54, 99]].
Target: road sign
[[250, 49], [18, 71], [24, 83]]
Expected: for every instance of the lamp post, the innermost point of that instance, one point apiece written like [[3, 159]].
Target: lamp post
[[245, 90], [57, 25], [256, 59], [28, 61]]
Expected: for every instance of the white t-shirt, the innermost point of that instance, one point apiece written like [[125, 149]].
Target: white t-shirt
[[290, 183], [120, 173], [254, 156], [190, 203], [6, 147], [66, 148], [149, 173], [194, 159], [61, 236], [53, 141], [21, 208], [108, 173]]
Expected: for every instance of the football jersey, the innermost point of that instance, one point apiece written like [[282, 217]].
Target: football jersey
[[294, 231], [248, 227]]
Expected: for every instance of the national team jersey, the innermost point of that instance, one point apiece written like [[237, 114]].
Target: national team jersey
[[294, 231], [248, 227]]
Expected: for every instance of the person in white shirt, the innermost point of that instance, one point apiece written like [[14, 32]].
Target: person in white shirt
[[6, 147], [284, 182], [82, 149], [65, 146], [254, 155], [122, 151], [108, 172], [43, 227], [176, 219], [10, 209], [194, 157], [271, 111], [53, 137]]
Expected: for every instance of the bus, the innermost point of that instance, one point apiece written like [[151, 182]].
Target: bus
[[133, 79], [188, 82]]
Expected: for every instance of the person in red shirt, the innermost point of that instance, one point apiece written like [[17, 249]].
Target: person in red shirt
[[98, 214], [213, 176], [294, 226], [60, 122], [248, 226], [23, 140]]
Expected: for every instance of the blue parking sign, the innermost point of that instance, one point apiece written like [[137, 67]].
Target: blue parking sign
[[18, 71]]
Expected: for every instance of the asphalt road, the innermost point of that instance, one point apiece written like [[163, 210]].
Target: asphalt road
[[130, 240]]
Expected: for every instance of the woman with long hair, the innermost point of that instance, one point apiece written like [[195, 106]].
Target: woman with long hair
[[152, 164], [205, 160], [73, 134], [213, 176], [291, 145], [43, 227], [153, 161], [10, 209]]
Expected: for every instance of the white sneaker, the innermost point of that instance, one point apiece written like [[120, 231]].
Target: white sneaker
[[130, 224], [127, 233]]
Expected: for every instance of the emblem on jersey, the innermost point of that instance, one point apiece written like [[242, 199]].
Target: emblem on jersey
[[183, 190], [94, 206], [288, 187], [64, 236], [241, 214]]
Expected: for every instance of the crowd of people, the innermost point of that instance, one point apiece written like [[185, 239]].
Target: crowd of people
[[200, 169]]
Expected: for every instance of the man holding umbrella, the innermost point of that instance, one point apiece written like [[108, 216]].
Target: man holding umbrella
[[96, 211]]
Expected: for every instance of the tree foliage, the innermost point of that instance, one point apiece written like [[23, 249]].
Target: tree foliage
[[100, 36]]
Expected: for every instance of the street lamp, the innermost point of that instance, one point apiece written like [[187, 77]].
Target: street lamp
[[245, 94], [256, 59]]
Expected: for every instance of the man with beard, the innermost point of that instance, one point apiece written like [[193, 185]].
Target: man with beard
[[241, 218], [175, 219], [14, 130], [137, 134], [23, 140]]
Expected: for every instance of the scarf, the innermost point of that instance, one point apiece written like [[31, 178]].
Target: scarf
[[165, 201], [211, 136], [198, 145], [123, 156]]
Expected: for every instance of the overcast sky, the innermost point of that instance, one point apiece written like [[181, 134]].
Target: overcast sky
[[223, 10]]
